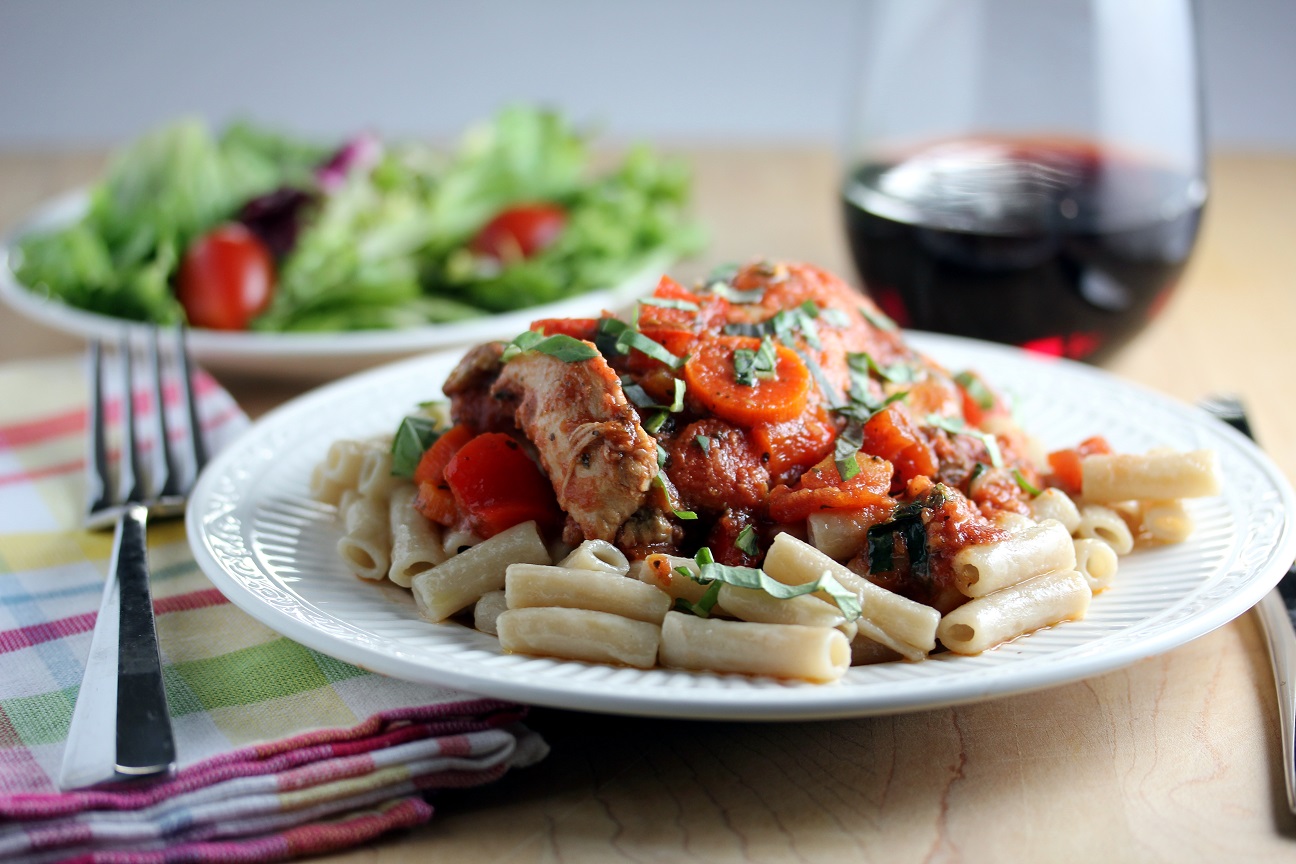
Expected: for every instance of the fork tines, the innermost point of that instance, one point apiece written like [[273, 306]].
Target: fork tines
[[148, 469]]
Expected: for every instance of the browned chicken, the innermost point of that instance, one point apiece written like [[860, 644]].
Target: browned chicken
[[588, 437]]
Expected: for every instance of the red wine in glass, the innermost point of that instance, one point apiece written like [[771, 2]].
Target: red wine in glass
[[1058, 245]]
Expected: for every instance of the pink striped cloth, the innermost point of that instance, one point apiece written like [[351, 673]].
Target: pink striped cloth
[[284, 752]]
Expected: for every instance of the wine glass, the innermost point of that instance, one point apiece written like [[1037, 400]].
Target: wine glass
[[1027, 172]]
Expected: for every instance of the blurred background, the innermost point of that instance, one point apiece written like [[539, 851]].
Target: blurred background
[[81, 73]]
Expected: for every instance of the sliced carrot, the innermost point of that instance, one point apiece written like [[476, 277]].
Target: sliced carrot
[[711, 380], [821, 488]]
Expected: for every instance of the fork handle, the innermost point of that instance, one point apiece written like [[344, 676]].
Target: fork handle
[[145, 743], [1282, 651]]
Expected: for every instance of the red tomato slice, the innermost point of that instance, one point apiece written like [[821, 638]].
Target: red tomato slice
[[226, 279], [520, 232]]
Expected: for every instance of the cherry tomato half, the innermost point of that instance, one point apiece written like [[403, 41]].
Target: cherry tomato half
[[520, 232], [226, 278]]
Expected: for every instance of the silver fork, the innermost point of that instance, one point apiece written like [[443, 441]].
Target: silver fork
[[124, 647]]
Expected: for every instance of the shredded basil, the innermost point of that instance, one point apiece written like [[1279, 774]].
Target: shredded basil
[[835, 317], [704, 442], [607, 333], [634, 339], [907, 523], [756, 579], [848, 445], [413, 437], [686, 515], [878, 319], [654, 423], [745, 542], [976, 388], [640, 397], [662, 455], [733, 295], [825, 386], [784, 325], [750, 365], [977, 470], [566, 348], [664, 303], [897, 373], [1026, 486], [705, 604], [958, 426]]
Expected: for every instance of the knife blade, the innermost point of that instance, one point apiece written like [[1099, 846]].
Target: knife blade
[[1277, 611]]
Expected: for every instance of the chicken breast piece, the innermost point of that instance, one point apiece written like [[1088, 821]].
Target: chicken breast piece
[[599, 458]]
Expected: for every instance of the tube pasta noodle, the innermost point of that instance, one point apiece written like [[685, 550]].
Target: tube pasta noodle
[[839, 534], [488, 608], [375, 478], [1013, 523], [461, 580], [907, 627], [1055, 504], [456, 540], [579, 634], [777, 650], [532, 585], [750, 604], [365, 544], [597, 555], [1151, 476], [1105, 524], [415, 541], [1096, 562], [1014, 611], [340, 470], [983, 569], [1166, 521]]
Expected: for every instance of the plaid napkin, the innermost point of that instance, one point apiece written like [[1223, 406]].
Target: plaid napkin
[[283, 751]]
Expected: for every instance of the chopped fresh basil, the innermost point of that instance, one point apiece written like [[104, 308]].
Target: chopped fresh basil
[[897, 373], [1025, 485], [745, 542], [640, 397], [704, 442], [784, 326], [878, 319], [663, 303], [706, 602], [810, 308], [733, 295], [662, 455], [848, 445], [566, 348], [958, 426], [976, 388], [759, 580], [607, 333], [634, 339], [413, 437], [825, 386], [906, 522], [655, 422], [750, 365], [977, 470], [686, 515], [835, 317]]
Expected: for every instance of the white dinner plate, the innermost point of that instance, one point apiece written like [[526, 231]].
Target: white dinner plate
[[270, 549], [315, 356]]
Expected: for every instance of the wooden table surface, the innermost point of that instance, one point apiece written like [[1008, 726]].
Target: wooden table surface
[[1176, 758]]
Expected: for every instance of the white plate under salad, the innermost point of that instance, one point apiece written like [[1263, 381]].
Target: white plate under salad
[[270, 549], [315, 356]]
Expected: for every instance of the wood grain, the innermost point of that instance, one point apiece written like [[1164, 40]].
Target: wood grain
[[1175, 758]]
